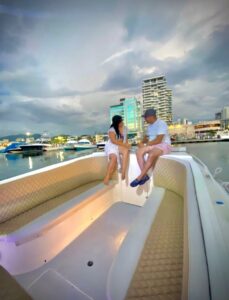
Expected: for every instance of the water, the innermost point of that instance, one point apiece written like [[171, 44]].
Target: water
[[16, 164], [212, 154]]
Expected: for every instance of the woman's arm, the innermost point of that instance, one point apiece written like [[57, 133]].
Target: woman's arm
[[113, 139]]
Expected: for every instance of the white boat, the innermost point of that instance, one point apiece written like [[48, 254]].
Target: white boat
[[70, 145], [223, 134], [50, 147], [84, 144], [64, 235], [101, 145]]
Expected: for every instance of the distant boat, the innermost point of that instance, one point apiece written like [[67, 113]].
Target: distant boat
[[101, 144], [14, 147], [32, 148], [50, 147], [223, 135], [70, 145], [84, 144]]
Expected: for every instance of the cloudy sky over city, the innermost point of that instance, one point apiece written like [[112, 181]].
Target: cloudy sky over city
[[63, 63]]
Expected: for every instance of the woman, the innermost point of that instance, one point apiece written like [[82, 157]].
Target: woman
[[115, 146]]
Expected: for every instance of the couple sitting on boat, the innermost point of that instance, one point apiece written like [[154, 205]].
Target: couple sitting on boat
[[156, 143]]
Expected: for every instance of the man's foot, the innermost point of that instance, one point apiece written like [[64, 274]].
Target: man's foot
[[135, 182], [144, 179]]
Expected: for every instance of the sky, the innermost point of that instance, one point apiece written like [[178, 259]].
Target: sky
[[63, 63]]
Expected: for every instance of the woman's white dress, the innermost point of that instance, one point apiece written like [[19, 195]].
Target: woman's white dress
[[111, 148]]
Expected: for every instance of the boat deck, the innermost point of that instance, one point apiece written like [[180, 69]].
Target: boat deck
[[159, 271], [68, 274]]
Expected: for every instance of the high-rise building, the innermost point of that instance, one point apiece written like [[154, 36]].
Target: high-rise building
[[218, 115], [130, 110], [225, 113], [157, 95], [225, 117]]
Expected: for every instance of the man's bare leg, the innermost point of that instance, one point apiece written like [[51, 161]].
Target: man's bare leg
[[140, 157], [151, 162]]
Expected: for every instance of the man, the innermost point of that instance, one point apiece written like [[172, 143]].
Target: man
[[156, 143]]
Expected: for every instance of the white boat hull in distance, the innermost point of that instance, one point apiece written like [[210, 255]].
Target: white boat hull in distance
[[70, 145], [84, 144], [223, 135], [85, 147]]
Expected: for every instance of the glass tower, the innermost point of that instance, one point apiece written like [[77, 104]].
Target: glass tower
[[130, 110]]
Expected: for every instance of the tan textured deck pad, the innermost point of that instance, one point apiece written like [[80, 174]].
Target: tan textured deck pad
[[159, 271], [37, 211]]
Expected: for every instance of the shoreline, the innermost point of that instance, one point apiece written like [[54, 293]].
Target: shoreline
[[199, 141]]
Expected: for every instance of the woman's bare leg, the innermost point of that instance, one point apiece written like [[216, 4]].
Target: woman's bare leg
[[125, 159], [110, 168]]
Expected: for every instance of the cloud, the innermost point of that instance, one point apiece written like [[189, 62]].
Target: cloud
[[63, 64], [116, 55], [199, 104]]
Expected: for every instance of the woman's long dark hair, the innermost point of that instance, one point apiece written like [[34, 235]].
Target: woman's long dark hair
[[116, 120]]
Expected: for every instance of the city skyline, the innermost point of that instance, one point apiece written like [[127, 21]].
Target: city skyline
[[62, 64]]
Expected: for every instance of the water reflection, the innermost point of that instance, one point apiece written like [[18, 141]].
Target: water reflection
[[12, 156], [17, 163], [30, 163], [60, 156], [26, 155]]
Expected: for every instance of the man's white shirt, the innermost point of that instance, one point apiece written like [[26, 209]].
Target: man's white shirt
[[157, 128]]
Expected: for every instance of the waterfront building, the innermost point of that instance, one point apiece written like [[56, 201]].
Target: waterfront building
[[20, 140], [182, 131], [207, 128], [4, 142], [157, 95], [182, 121], [101, 138], [29, 140], [130, 110]]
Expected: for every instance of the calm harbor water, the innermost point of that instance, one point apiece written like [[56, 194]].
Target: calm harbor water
[[16, 164], [212, 154]]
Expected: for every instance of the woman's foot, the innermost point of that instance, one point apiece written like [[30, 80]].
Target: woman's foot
[[106, 180]]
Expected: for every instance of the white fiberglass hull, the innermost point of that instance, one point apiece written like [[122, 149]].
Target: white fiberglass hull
[[88, 246], [84, 147]]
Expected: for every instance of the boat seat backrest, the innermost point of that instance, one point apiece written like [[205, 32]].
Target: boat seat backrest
[[170, 174], [22, 194]]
